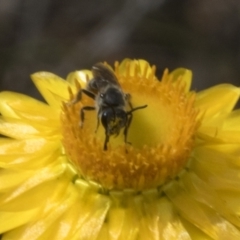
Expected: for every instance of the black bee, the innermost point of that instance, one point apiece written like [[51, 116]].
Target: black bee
[[110, 102]]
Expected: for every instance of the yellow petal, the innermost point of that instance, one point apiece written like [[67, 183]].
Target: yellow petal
[[45, 174], [9, 180], [53, 88], [54, 225], [233, 121], [29, 161], [72, 225], [11, 220], [216, 169], [50, 210], [93, 215], [103, 234], [5, 109], [202, 192], [228, 149], [123, 222], [193, 231], [16, 105], [81, 76], [170, 224], [16, 129], [66, 226], [229, 136], [201, 215], [184, 74], [231, 199], [33, 199], [135, 67], [28, 146], [217, 102], [144, 67]]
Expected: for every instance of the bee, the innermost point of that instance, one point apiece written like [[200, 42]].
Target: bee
[[111, 103]]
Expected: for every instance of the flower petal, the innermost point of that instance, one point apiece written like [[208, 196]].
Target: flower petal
[[8, 179], [170, 224], [16, 129], [201, 215], [45, 174], [232, 122], [202, 192], [217, 102], [216, 169], [29, 161], [53, 88], [28, 146], [81, 76], [49, 207], [5, 109], [184, 74], [16, 105], [10, 220], [33, 199], [136, 67], [123, 222], [93, 215]]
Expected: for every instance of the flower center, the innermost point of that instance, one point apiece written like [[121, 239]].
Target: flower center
[[161, 135]]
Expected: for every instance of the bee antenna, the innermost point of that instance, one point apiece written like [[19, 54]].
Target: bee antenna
[[136, 108]]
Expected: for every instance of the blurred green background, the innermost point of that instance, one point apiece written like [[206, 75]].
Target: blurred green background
[[63, 36]]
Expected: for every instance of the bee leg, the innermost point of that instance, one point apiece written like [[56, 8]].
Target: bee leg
[[79, 96], [98, 117], [127, 127], [128, 97], [106, 141], [97, 125], [82, 115], [88, 93]]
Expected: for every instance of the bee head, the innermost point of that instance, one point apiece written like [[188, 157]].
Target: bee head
[[113, 120]]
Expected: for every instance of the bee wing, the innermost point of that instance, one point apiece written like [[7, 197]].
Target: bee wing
[[103, 74]]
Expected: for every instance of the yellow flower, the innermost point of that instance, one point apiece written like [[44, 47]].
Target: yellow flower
[[178, 179]]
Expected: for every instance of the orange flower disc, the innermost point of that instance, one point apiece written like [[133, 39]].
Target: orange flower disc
[[161, 135]]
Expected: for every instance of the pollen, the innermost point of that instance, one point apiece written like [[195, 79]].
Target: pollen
[[161, 136]]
